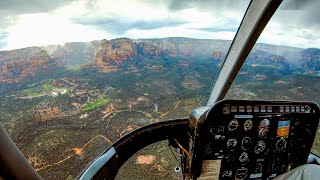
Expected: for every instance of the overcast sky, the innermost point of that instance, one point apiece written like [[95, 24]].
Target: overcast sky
[[42, 22]]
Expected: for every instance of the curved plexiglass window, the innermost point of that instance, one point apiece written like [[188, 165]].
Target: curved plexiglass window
[[284, 64], [75, 76]]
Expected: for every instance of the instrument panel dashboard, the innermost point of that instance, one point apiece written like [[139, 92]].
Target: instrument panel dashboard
[[253, 139]]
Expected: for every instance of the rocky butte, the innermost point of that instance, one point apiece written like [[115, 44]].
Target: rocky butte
[[18, 64]]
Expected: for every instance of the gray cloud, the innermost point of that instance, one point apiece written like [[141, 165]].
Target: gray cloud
[[117, 25], [9, 9], [179, 5], [299, 14], [176, 5], [14, 7], [297, 4], [226, 24]]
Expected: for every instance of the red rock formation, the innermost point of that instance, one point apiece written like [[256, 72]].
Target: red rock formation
[[110, 53], [16, 65], [115, 50]]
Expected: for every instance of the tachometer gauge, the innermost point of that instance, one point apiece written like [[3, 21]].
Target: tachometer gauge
[[281, 144], [233, 125], [248, 125], [260, 147], [263, 128]]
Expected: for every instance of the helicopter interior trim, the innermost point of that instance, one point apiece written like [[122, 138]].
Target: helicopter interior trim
[[110, 162], [13, 165]]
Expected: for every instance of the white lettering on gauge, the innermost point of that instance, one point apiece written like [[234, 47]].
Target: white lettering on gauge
[[231, 144], [260, 147], [233, 125]]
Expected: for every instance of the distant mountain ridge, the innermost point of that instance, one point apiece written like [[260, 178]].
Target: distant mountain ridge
[[106, 55]]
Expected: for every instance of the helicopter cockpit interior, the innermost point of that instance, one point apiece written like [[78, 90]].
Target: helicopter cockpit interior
[[252, 139], [227, 139]]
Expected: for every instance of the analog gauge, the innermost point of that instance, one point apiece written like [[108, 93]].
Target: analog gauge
[[227, 173], [231, 144], [246, 143], [248, 125], [260, 147], [263, 128], [244, 158], [241, 173], [233, 125], [281, 144]]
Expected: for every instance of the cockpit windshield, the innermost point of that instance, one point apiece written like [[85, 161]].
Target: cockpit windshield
[[75, 76]]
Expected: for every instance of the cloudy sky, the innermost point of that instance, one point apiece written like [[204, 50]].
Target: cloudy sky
[[43, 22]]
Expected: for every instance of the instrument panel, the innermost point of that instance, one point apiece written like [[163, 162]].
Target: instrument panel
[[252, 139]]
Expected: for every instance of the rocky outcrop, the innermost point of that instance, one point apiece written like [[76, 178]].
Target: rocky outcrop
[[115, 50], [179, 46], [218, 55], [311, 59], [259, 56], [149, 50], [110, 54], [19, 64]]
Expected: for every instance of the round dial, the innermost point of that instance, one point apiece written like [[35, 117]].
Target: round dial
[[244, 158], [231, 144], [260, 147], [233, 125], [227, 173], [248, 125], [263, 128], [241, 173], [246, 143], [281, 144]]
